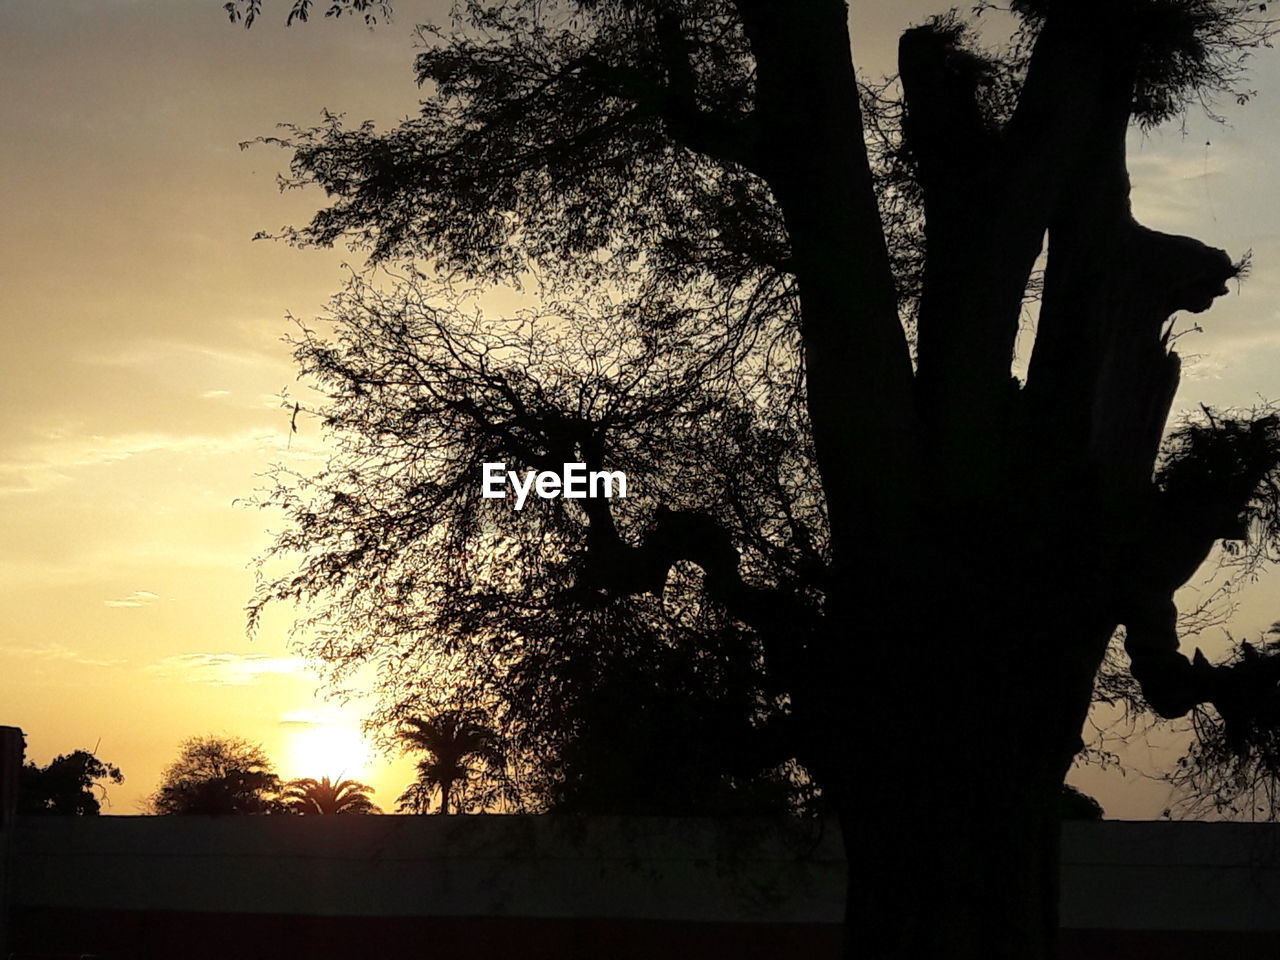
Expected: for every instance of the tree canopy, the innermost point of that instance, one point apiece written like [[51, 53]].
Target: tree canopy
[[69, 785], [217, 775]]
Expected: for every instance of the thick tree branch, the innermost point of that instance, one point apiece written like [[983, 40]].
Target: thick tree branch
[[857, 362], [785, 624], [1101, 377], [943, 124], [1207, 497], [681, 535], [731, 140], [1132, 375], [982, 238], [675, 103]]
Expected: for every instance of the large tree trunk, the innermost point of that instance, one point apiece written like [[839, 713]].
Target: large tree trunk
[[937, 771], [962, 866], [946, 772], [983, 536]]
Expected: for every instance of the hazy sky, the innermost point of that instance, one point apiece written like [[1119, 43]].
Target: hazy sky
[[142, 363]]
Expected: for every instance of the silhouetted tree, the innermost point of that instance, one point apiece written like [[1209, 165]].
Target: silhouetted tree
[[806, 367], [66, 785], [309, 796], [218, 775], [589, 690], [464, 761]]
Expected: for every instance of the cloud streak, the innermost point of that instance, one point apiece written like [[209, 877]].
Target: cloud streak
[[311, 717], [139, 598], [56, 652], [53, 463], [225, 669]]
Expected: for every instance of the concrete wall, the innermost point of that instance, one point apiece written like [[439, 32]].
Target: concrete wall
[[1172, 876], [384, 866], [575, 889]]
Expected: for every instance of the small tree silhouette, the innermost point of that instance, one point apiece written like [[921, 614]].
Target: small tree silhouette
[[460, 747], [66, 785], [218, 775], [308, 796]]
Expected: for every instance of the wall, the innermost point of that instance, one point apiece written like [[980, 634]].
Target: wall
[[576, 888]]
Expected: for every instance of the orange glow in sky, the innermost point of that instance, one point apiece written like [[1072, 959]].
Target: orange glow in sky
[[141, 363]]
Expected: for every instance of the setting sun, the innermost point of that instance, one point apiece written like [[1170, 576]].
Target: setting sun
[[327, 750]]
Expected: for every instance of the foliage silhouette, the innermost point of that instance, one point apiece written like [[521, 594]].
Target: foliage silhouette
[[1233, 766], [217, 775], [587, 688], [309, 796], [248, 11], [908, 562], [66, 785]]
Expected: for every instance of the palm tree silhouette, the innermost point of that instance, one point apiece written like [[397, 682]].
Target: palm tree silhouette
[[457, 744], [309, 796]]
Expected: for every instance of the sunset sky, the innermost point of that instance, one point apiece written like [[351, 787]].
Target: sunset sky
[[142, 363]]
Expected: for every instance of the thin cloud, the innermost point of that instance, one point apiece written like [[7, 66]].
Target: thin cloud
[[225, 669], [309, 717], [139, 598], [56, 652], [150, 354], [56, 462]]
